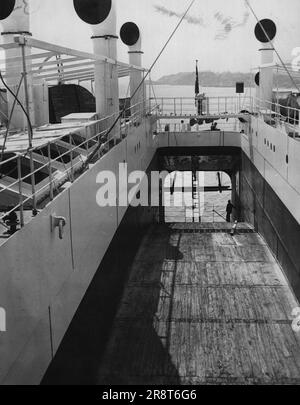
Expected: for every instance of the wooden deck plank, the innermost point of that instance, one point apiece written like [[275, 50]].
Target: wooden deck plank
[[203, 309]]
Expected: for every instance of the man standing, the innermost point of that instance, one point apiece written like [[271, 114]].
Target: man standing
[[229, 209]]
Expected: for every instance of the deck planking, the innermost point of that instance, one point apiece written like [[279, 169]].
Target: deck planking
[[203, 308]]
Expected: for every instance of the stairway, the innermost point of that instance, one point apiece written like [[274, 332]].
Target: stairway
[[203, 307]]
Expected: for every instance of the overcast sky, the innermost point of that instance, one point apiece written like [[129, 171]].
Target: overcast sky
[[218, 32]]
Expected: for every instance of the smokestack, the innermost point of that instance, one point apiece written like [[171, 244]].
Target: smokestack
[[131, 36], [265, 31], [15, 16], [101, 16]]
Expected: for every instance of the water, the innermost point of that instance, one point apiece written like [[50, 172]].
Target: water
[[198, 207], [189, 91]]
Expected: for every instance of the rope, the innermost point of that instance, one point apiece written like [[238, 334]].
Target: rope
[[272, 44], [142, 82]]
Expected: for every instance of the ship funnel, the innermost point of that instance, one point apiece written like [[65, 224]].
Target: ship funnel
[[101, 16], [131, 36], [15, 19], [265, 31]]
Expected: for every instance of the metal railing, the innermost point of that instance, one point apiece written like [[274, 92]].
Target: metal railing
[[70, 159], [278, 115], [177, 127], [186, 106], [283, 117]]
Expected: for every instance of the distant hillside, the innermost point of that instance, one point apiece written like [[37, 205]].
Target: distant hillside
[[211, 79]]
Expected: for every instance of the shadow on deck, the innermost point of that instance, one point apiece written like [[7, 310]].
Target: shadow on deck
[[198, 307]]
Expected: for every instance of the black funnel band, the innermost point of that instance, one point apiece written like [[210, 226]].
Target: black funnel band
[[17, 33], [141, 52], [108, 36]]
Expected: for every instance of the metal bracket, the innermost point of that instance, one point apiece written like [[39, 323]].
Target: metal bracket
[[58, 222]]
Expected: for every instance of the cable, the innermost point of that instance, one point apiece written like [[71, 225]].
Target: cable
[[142, 82], [25, 112], [10, 118], [271, 43], [18, 101]]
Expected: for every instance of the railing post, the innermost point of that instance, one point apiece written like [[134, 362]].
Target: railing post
[[71, 157], [20, 192], [29, 129], [99, 150], [50, 172]]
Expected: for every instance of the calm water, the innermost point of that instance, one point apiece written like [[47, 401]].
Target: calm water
[[189, 91]]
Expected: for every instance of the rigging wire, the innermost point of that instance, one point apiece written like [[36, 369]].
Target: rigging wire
[[272, 44], [143, 80], [18, 101], [9, 119], [15, 96]]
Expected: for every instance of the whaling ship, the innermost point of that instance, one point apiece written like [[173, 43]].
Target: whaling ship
[[115, 295]]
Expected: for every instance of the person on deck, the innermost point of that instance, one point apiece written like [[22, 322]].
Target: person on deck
[[229, 209]]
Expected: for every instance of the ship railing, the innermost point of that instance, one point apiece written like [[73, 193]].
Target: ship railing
[[168, 126], [276, 114], [187, 106], [71, 160]]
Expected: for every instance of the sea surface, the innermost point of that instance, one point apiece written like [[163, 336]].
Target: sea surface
[[189, 91]]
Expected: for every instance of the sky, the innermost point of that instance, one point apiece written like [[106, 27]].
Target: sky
[[219, 33]]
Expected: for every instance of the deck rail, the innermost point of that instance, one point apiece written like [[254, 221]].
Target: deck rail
[[68, 171], [187, 106], [278, 115], [170, 111]]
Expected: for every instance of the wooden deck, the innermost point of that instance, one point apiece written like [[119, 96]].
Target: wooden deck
[[202, 307]]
